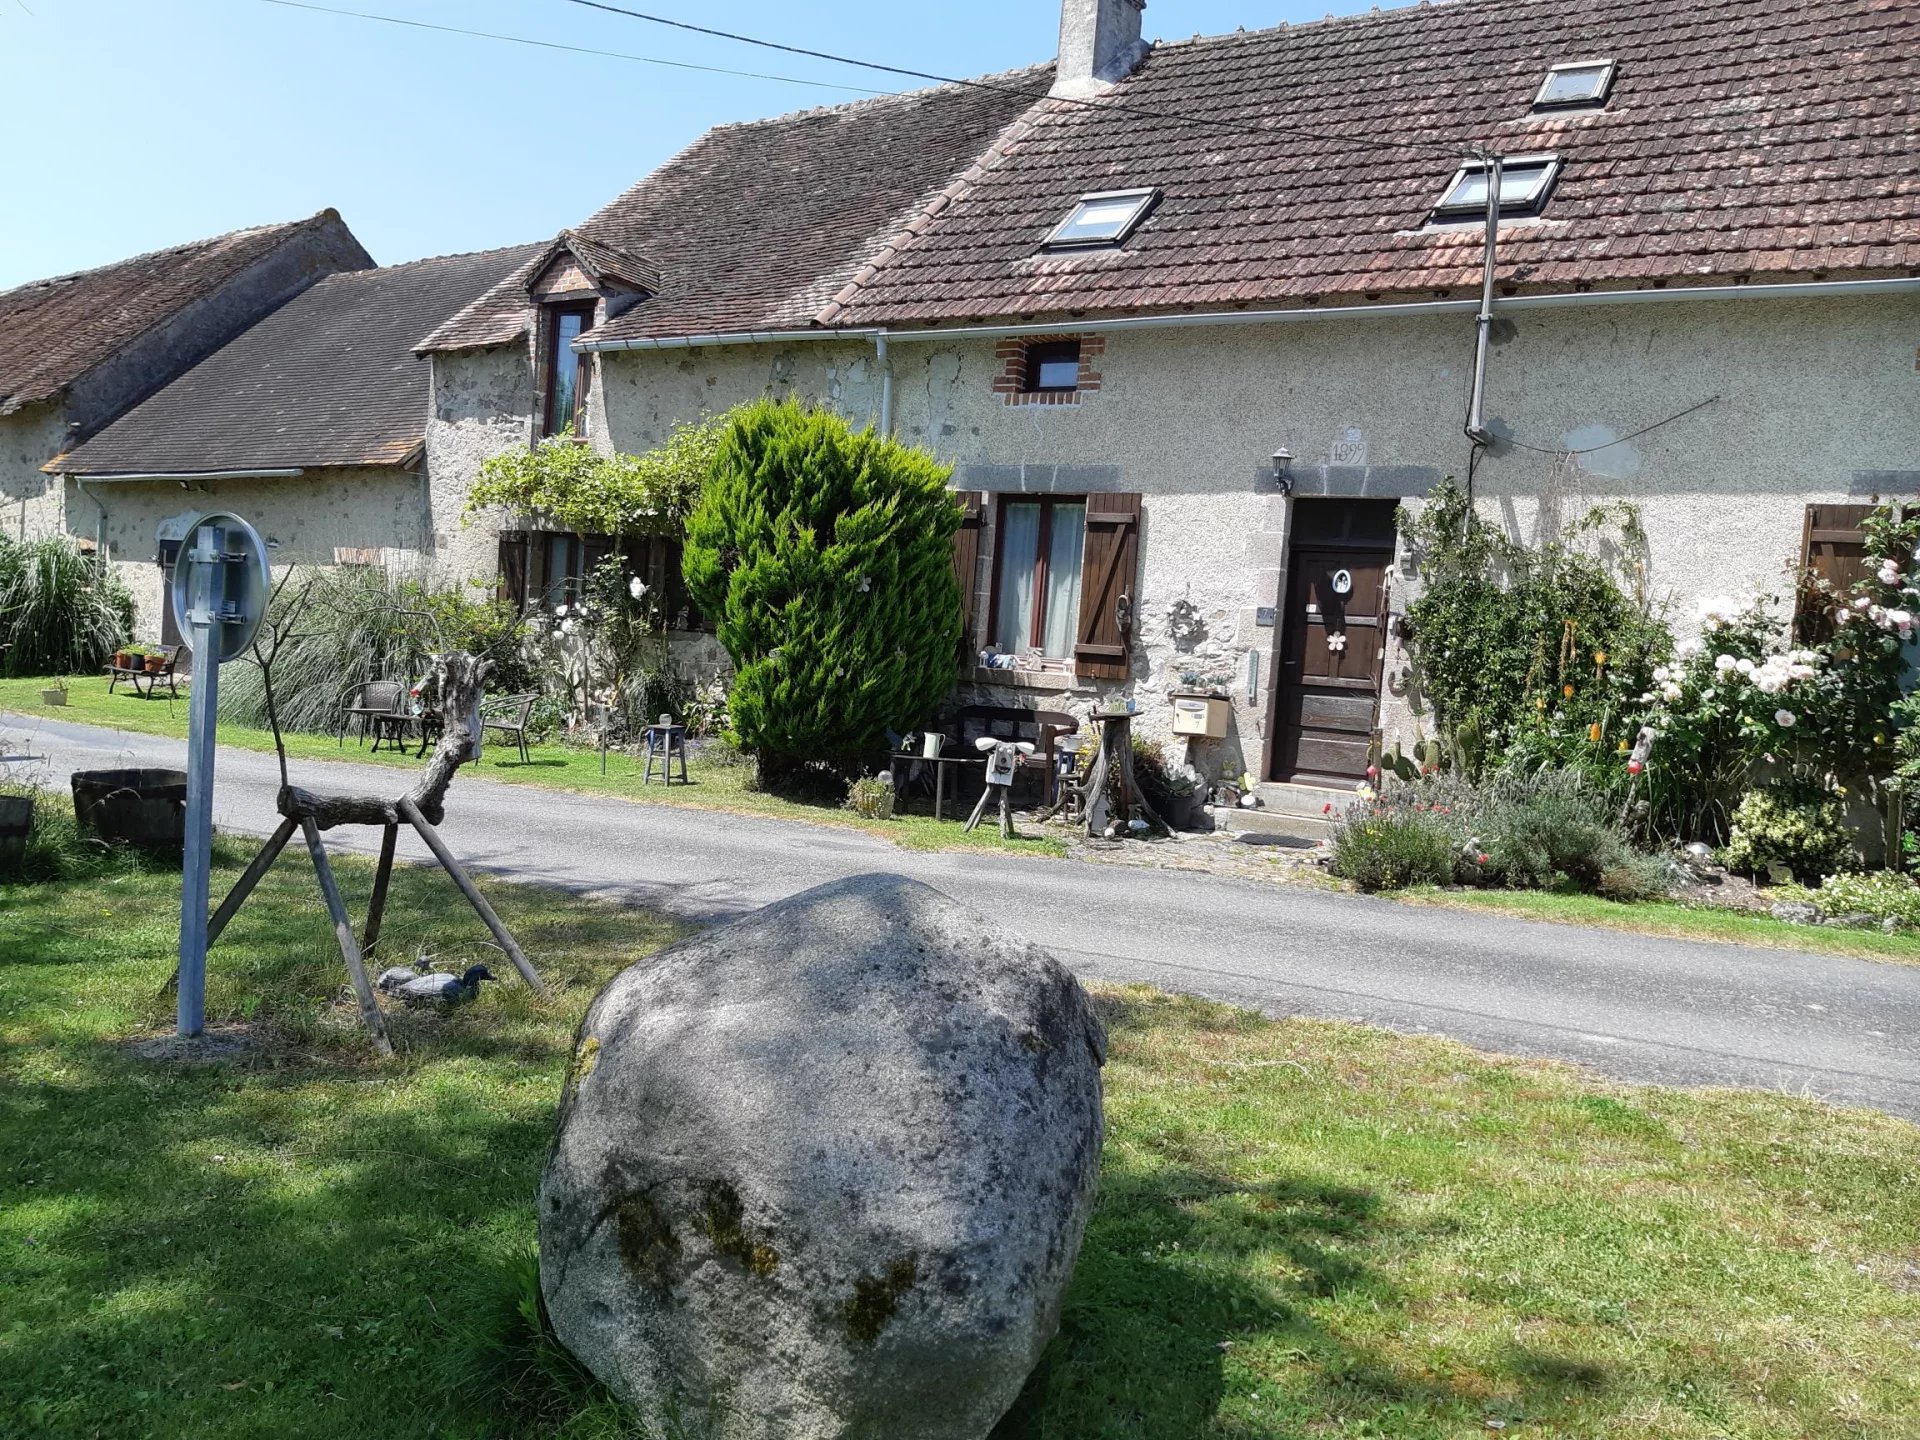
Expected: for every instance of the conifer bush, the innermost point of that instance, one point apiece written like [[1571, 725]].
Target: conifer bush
[[824, 556]]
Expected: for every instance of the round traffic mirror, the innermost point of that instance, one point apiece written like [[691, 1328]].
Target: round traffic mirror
[[222, 575]]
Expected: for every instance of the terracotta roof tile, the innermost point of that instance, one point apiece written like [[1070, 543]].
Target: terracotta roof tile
[[330, 378], [54, 331], [757, 226], [1728, 119]]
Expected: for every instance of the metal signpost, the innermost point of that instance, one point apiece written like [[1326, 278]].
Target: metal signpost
[[221, 585]]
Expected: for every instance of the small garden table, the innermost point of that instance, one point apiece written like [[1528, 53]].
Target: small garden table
[[668, 740]]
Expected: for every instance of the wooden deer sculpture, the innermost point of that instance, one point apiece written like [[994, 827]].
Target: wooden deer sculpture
[[459, 680]]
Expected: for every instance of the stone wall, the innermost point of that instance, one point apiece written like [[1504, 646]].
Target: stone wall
[[31, 503], [321, 518], [483, 405]]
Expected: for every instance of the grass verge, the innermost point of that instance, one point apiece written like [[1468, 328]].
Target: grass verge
[[555, 767], [1304, 1228], [1673, 920]]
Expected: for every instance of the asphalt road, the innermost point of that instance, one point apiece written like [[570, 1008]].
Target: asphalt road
[[1634, 1007]]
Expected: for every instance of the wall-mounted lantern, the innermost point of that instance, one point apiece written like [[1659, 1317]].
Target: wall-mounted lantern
[[1282, 470]]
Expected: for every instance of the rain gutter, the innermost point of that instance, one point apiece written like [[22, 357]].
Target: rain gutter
[[183, 476], [1791, 290]]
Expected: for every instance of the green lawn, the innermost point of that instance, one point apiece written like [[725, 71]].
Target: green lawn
[[1304, 1228], [557, 767], [1669, 918]]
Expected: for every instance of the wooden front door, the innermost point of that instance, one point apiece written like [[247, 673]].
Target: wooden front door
[[1327, 689]]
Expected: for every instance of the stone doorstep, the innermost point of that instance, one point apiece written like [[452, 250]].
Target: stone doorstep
[[1304, 800]]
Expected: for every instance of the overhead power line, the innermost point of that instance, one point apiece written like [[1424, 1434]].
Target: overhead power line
[[1260, 127], [572, 49]]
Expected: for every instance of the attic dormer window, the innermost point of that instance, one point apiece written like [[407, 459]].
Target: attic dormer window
[[1525, 183], [1568, 87], [1107, 217], [565, 373]]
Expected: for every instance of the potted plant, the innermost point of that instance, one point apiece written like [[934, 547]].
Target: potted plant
[[54, 694], [156, 661], [16, 824], [140, 807], [123, 658]]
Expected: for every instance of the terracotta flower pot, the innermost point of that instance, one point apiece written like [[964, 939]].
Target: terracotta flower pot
[[156, 663]]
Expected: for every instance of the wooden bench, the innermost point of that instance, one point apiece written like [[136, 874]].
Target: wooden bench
[[134, 674]]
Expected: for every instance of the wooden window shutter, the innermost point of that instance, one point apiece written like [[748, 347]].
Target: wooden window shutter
[[513, 567], [594, 550], [1833, 548], [1108, 602], [966, 567]]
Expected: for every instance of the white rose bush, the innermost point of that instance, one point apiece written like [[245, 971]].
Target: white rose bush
[[1806, 705]]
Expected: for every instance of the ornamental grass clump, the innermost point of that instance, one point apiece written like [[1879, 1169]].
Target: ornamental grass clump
[[824, 556], [61, 611], [1541, 830], [1391, 849], [358, 624]]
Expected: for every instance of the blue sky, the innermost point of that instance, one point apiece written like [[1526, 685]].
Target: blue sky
[[140, 123]]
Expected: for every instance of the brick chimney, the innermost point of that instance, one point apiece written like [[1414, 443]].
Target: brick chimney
[[1100, 45]]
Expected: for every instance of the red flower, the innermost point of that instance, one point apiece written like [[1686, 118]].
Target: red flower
[[1327, 809], [1634, 767], [1482, 858]]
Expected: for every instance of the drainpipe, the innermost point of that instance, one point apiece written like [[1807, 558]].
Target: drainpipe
[[1477, 410], [886, 382], [100, 525]]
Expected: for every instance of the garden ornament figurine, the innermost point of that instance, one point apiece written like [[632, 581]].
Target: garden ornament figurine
[[444, 990], [1003, 758]]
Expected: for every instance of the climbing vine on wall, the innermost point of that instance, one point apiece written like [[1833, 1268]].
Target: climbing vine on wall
[[1543, 649], [571, 486]]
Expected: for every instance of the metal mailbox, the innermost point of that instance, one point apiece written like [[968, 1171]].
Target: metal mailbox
[[1201, 717]]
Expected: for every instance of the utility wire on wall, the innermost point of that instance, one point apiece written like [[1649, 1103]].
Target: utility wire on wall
[[1591, 449]]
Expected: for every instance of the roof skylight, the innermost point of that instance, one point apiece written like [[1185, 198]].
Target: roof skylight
[[1584, 82], [1104, 218], [1525, 183]]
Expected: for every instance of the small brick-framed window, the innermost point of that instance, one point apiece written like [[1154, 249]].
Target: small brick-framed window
[[1048, 369], [1053, 365]]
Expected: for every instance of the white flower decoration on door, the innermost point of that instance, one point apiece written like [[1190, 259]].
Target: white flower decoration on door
[[1336, 640]]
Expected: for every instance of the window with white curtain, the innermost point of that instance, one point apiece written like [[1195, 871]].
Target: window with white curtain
[[1036, 588]]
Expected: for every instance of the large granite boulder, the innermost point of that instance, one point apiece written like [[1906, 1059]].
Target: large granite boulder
[[824, 1172]]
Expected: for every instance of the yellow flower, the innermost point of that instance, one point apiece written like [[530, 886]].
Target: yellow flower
[[1593, 732], [1623, 747], [1599, 657], [1567, 691], [1540, 703]]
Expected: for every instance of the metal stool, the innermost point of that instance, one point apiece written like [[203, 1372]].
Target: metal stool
[[668, 740]]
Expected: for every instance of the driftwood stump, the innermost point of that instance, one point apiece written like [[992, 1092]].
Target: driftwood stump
[[460, 681]]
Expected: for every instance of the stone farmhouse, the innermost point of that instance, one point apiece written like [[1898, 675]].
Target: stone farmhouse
[[1193, 320], [77, 351], [311, 424]]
